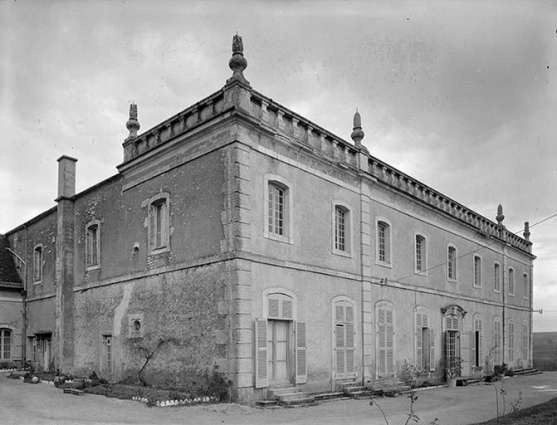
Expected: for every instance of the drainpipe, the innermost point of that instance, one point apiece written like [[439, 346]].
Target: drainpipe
[[24, 301]]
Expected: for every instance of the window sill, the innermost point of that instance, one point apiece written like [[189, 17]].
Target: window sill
[[454, 281], [384, 264], [420, 273], [38, 282], [278, 238], [158, 251], [92, 268], [346, 254]]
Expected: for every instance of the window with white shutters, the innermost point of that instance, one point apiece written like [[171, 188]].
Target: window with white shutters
[[451, 263], [525, 342], [280, 307], [385, 340], [301, 353], [497, 341], [510, 325], [344, 338], [425, 354]]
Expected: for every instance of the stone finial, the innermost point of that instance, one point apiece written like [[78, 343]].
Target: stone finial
[[500, 217], [237, 62], [133, 125], [358, 134], [527, 231]]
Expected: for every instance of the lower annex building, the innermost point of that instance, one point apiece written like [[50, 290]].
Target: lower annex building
[[241, 235]]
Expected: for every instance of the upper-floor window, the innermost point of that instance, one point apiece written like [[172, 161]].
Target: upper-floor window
[[276, 216], [342, 230], [496, 277], [278, 209], [477, 271], [159, 223], [420, 254], [451, 263], [5, 344], [383, 242], [525, 286], [511, 282], [92, 245], [38, 263]]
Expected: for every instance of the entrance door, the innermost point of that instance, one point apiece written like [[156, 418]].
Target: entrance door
[[278, 351], [46, 354]]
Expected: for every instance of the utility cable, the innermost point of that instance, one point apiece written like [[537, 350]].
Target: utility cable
[[471, 252]]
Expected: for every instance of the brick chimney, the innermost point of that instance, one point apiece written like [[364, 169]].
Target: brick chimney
[[63, 341]]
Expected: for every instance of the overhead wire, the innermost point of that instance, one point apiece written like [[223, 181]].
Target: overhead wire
[[398, 280]]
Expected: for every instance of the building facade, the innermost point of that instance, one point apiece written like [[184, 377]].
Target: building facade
[[240, 235]]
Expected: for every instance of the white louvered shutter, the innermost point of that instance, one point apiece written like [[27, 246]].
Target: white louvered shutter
[[261, 372], [431, 350], [301, 353]]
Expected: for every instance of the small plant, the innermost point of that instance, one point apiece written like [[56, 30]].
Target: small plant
[[411, 370], [452, 366], [412, 415]]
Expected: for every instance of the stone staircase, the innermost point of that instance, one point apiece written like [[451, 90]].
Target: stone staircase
[[288, 395], [527, 371], [353, 390]]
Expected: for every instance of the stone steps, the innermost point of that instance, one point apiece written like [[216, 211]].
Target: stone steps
[[290, 396]]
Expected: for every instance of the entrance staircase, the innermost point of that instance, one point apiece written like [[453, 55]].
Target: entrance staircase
[[287, 395], [527, 371]]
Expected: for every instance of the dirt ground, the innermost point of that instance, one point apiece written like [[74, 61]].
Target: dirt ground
[[44, 404]]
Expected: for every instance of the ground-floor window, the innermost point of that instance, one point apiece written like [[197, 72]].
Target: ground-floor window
[[477, 341], [425, 340], [525, 342], [344, 338], [511, 341], [5, 344], [497, 340], [107, 361], [385, 339]]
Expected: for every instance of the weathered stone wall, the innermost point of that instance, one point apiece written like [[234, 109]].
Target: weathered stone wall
[[179, 307]]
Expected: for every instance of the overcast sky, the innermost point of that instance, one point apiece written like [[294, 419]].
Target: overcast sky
[[461, 95]]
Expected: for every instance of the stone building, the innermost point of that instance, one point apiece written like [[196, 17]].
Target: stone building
[[239, 234]]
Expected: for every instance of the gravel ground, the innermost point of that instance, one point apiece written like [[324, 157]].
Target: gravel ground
[[44, 404]]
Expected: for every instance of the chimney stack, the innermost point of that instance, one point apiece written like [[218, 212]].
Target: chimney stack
[[66, 177]]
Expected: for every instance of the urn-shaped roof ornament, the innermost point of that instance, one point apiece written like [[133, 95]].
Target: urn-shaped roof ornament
[[133, 125], [237, 62], [500, 217], [357, 133]]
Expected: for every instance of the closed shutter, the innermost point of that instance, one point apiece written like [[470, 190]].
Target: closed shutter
[[431, 350], [349, 347], [274, 312], [301, 353], [340, 349], [261, 373], [419, 339], [286, 309], [390, 342], [382, 340]]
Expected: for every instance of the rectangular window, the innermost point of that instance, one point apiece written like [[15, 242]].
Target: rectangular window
[[477, 342], [511, 342], [385, 341], [525, 341], [497, 341], [511, 282], [451, 263], [159, 224], [497, 277], [5, 344], [38, 264], [92, 237], [276, 210], [525, 286], [383, 242], [107, 352], [420, 254], [340, 229], [477, 271]]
